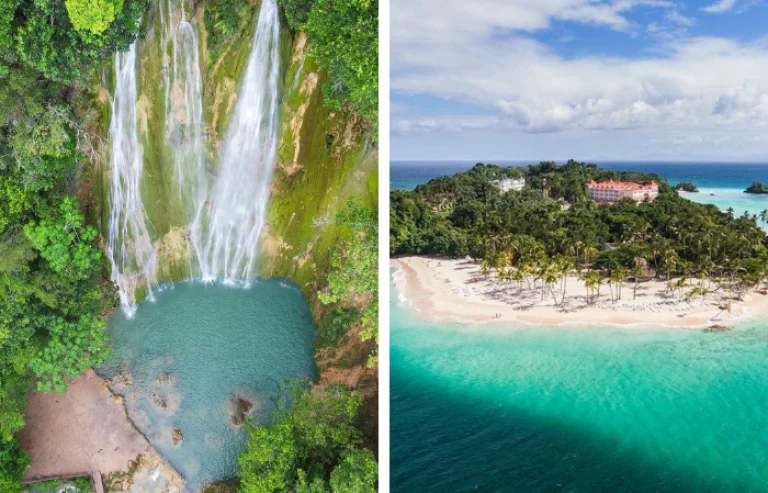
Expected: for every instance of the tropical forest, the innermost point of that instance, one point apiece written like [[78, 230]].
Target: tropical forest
[[552, 229]]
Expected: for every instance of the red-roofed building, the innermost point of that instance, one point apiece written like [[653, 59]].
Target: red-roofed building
[[613, 191]]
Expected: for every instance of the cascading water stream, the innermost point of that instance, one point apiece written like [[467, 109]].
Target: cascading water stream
[[184, 129], [129, 246], [226, 234], [225, 221]]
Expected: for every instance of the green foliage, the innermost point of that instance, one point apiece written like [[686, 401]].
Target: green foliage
[[72, 347], [354, 263], [63, 239], [49, 323], [46, 148], [353, 275], [65, 39], [334, 325], [297, 12], [465, 215], [356, 474], [686, 186], [94, 16], [345, 42], [13, 462], [311, 442], [64, 242], [757, 187], [84, 485], [222, 18]]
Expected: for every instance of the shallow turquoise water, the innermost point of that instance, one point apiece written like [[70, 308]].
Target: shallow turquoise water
[[194, 348], [734, 198], [532, 409]]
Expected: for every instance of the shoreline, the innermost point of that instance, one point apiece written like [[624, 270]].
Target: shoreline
[[454, 290]]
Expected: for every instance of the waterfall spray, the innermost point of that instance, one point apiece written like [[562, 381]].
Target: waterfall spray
[[129, 246], [228, 230]]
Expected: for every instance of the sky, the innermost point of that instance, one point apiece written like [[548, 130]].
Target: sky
[[584, 79]]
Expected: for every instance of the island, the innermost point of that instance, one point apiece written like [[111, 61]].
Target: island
[[578, 245], [757, 188], [686, 186]]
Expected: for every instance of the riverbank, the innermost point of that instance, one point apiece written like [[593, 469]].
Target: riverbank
[[454, 290]]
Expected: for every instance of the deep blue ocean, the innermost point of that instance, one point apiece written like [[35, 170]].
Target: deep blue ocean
[[526, 409], [408, 174]]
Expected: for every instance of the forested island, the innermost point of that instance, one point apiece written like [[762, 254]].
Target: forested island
[[57, 87], [757, 188], [686, 186], [552, 230]]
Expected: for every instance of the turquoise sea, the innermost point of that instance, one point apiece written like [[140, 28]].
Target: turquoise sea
[[560, 409], [533, 409]]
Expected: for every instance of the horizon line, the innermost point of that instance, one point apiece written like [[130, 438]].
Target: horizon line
[[588, 161]]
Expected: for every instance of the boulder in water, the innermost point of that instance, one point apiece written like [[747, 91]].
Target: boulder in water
[[177, 436], [165, 379], [159, 401], [239, 409]]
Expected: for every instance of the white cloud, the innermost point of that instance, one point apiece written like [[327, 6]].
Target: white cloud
[[720, 6], [681, 20], [654, 27], [480, 53], [416, 20]]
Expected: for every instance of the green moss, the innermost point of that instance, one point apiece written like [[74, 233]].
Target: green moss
[[225, 73], [308, 193]]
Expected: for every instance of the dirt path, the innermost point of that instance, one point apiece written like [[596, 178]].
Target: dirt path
[[84, 430]]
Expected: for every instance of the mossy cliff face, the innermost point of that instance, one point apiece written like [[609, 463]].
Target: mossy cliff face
[[325, 156]]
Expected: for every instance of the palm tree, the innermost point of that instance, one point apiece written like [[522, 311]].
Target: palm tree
[[589, 250], [518, 275], [616, 278], [637, 273], [593, 280], [670, 260], [681, 283], [565, 265], [550, 277], [485, 267]]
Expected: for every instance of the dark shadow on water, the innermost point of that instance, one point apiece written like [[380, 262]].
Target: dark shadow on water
[[443, 442]]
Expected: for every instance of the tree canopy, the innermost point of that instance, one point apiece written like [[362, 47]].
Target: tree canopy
[[312, 446], [465, 215], [344, 40]]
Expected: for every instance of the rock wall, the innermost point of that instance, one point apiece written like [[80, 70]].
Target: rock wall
[[325, 156]]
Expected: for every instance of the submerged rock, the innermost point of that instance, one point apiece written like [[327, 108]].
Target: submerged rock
[[229, 486], [121, 381], [717, 328], [239, 409], [166, 379], [159, 401], [177, 436]]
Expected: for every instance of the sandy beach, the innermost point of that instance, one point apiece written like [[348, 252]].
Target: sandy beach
[[454, 290]]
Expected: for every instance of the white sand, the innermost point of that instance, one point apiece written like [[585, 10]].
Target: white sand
[[455, 290]]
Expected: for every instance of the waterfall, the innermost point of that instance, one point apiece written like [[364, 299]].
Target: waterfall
[[225, 221], [228, 229], [129, 246], [184, 129]]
